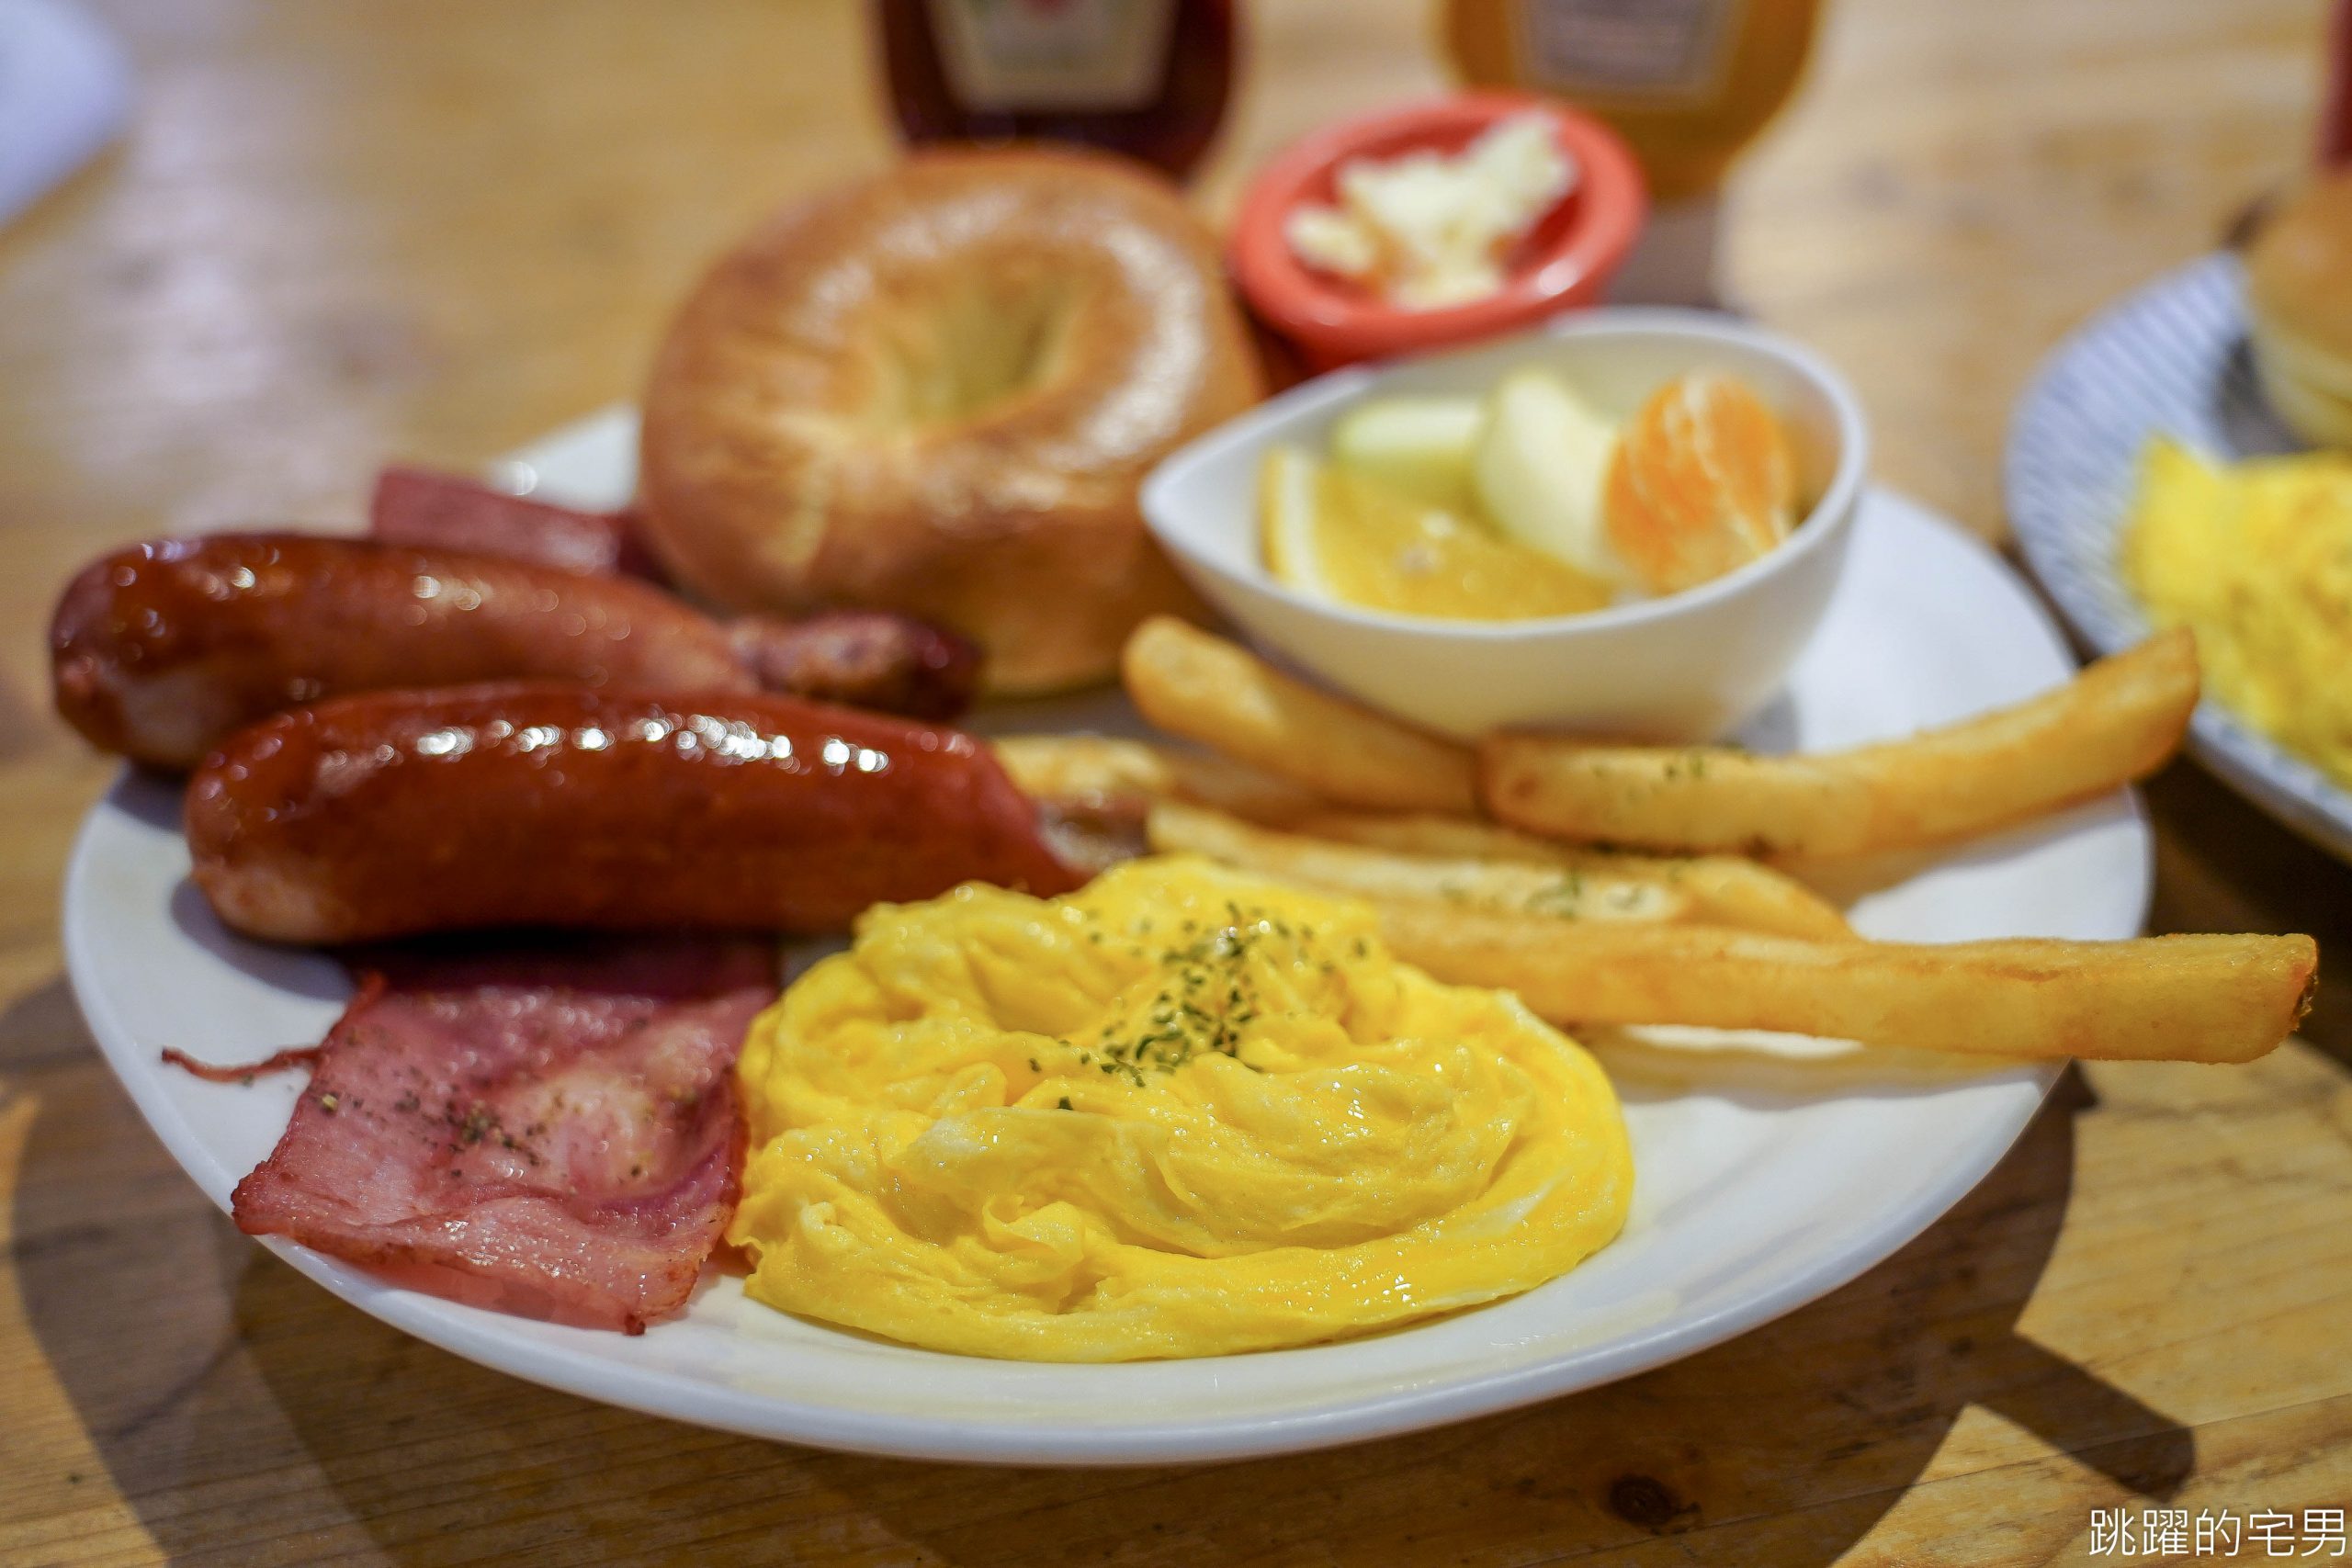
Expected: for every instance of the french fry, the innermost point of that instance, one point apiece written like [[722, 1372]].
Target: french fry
[[2119, 720], [1122, 778], [1419, 833], [2196, 998], [1208, 690], [1724, 890], [1523, 887]]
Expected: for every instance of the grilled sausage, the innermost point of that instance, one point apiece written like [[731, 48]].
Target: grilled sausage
[[544, 805], [865, 658], [160, 650]]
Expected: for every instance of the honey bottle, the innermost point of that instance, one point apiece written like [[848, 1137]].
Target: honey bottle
[[1689, 84]]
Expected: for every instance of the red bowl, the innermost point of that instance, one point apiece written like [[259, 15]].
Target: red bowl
[[1565, 260]]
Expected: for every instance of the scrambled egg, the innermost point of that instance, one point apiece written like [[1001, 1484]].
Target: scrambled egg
[[1180, 1112], [2256, 558]]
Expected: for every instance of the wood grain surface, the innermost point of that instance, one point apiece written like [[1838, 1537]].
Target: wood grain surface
[[346, 231]]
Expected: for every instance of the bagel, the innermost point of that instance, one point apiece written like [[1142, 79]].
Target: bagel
[[2296, 273], [937, 392]]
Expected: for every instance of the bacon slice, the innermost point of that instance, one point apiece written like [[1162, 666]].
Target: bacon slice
[[417, 506], [551, 1133], [241, 1072]]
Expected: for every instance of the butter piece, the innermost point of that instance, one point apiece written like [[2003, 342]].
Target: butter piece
[[1428, 230]]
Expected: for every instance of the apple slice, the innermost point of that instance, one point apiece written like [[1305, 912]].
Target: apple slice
[[1538, 470], [1419, 446], [1333, 533]]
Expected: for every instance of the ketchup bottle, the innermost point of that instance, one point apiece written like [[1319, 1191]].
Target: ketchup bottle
[[1148, 78]]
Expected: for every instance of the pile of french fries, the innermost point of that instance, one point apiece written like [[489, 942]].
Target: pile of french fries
[[1612, 883]]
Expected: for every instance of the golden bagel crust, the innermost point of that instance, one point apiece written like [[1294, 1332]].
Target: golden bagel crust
[[2299, 268], [937, 392]]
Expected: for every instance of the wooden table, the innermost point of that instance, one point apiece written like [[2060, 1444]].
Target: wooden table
[[430, 229]]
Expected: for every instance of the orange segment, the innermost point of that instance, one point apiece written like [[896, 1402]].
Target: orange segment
[[1344, 537], [1702, 482]]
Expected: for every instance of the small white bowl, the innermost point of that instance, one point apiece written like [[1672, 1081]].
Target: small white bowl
[[1684, 667]]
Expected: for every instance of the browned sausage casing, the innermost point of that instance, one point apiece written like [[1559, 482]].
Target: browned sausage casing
[[541, 804], [865, 659], [162, 650]]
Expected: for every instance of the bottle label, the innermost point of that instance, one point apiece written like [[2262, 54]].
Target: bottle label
[[1003, 56], [1625, 49]]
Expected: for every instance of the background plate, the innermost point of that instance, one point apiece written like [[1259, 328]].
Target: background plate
[[1761, 1184], [2170, 360]]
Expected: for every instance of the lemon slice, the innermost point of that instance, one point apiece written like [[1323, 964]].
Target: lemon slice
[[1339, 536]]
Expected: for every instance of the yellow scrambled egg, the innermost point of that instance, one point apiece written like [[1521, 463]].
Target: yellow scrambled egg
[[1179, 1114], [2256, 558]]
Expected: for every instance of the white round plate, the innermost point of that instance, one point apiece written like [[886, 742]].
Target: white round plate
[[1759, 1187], [2169, 360]]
